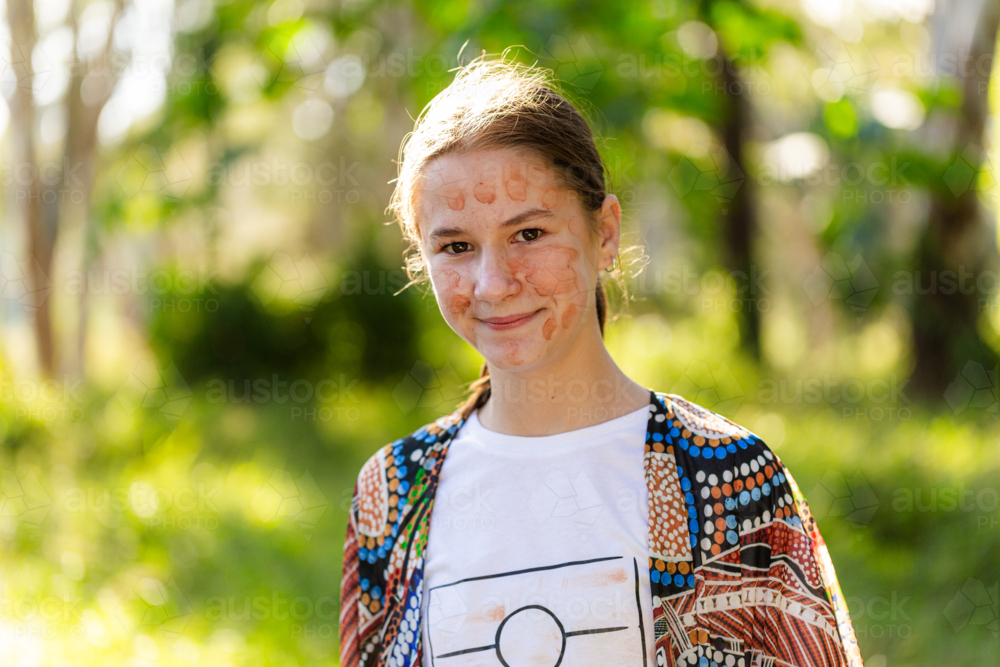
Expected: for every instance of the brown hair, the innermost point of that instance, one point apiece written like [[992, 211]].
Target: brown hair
[[497, 104]]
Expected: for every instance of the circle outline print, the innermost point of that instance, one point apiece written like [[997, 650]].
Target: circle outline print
[[562, 632]]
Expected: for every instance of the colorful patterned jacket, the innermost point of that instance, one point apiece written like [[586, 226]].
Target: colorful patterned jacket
[[740, 575]]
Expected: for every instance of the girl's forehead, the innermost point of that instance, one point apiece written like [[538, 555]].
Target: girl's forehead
[[486, 166], [463, 183]]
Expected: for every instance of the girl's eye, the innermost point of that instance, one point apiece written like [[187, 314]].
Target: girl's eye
[[461, 247], [457, 248]]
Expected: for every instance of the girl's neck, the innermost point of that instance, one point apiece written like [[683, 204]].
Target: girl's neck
[[583, 388]]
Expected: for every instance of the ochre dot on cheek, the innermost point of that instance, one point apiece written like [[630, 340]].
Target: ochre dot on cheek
[[485, 193], [548, 328], [568, 316], [458, 304], [450, 278], [549, 270]]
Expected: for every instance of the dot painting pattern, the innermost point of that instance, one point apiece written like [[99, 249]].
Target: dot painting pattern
[[668, 539], [740, 575], [373, 499]]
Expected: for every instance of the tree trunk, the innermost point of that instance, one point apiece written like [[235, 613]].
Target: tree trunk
[[81, 150], [740, 219], [945, 321], [21, 18]]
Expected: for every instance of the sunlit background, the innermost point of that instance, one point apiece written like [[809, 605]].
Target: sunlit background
[[201, 339]]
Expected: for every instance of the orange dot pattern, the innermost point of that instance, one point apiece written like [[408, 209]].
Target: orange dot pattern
[[373, 496], [668, 533], [705, 423]]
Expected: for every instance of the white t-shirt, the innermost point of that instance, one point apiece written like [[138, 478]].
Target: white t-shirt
[[538, 548]]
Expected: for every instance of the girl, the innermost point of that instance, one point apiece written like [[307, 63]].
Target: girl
[[564, 514]]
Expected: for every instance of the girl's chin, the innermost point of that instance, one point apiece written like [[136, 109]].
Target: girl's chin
[[512, 356]]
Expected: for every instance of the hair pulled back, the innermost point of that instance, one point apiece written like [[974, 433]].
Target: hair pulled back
[[499, 104]]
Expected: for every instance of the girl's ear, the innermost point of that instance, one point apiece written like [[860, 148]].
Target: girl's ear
[[610, 220]]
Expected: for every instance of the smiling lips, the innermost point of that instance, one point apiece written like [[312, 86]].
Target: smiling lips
[[510, 321]]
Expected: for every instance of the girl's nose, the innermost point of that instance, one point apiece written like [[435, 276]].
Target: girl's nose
[[494, 280]]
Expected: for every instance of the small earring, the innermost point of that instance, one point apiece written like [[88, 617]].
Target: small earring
[[614, 264]]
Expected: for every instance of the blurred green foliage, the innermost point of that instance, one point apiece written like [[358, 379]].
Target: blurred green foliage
[[186, 503]]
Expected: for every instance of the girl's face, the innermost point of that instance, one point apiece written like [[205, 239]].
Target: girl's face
[[511, 255]]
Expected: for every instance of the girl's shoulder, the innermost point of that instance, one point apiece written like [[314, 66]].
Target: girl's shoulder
[[386, 478], [700, 421], [722, 464], [706, 439]]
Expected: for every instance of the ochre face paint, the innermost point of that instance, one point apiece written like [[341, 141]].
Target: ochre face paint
[[550, 198], [450, 281], [516, 186], [456, 201], [548, 328], [499, 270], [568, 316], [485, 193], [550, 270]]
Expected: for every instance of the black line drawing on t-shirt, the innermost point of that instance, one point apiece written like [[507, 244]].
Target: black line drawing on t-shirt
[[503, 636]]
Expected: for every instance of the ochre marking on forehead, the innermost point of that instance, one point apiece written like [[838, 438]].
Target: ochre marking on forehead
[[517, 187], [456, 201], [550, 198], [485, 193]]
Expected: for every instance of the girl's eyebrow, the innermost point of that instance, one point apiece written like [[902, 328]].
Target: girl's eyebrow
[[530, 214]]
